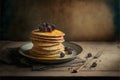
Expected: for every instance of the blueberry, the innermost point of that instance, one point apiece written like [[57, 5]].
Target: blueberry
[[74, 71], [49, 27], [89, 55], [41, 28], [62, 54], [66, 48], [44, 29], [69, 51], [53, 27], [94, 64], [45, 24]]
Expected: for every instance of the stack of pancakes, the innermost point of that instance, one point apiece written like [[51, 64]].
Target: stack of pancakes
[[47, 44]]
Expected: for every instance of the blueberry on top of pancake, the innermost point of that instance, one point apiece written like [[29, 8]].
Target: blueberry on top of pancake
[[45, 27]]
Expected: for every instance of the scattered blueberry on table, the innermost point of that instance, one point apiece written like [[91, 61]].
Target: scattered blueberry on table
[[94, 64], [74, 71], [89, 55]]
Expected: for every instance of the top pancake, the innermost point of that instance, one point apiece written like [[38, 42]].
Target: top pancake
[[46, 37], [54, 33]]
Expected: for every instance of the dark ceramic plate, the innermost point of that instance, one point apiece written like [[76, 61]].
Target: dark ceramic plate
[[24, 50]]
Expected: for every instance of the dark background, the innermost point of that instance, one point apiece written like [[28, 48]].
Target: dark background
[[81, 20]]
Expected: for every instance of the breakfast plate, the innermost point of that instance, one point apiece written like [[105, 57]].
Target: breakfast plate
[[24, 50]]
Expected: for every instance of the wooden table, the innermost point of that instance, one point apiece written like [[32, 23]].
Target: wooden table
[[108, 62]]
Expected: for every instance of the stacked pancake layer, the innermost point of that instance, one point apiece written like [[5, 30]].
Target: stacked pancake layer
[[47, 44]]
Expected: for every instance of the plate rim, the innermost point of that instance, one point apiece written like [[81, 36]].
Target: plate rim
[[57, 59]]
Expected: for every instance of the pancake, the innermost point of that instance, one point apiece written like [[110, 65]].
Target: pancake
[[42, 44], [51, 48], [47, 51], [54, 33], [44, 58], [46, 37], [57, 54], [39, 52], [41, 40], [47, 42]]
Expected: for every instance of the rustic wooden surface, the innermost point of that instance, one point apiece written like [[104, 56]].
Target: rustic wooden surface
[[108, 64]]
